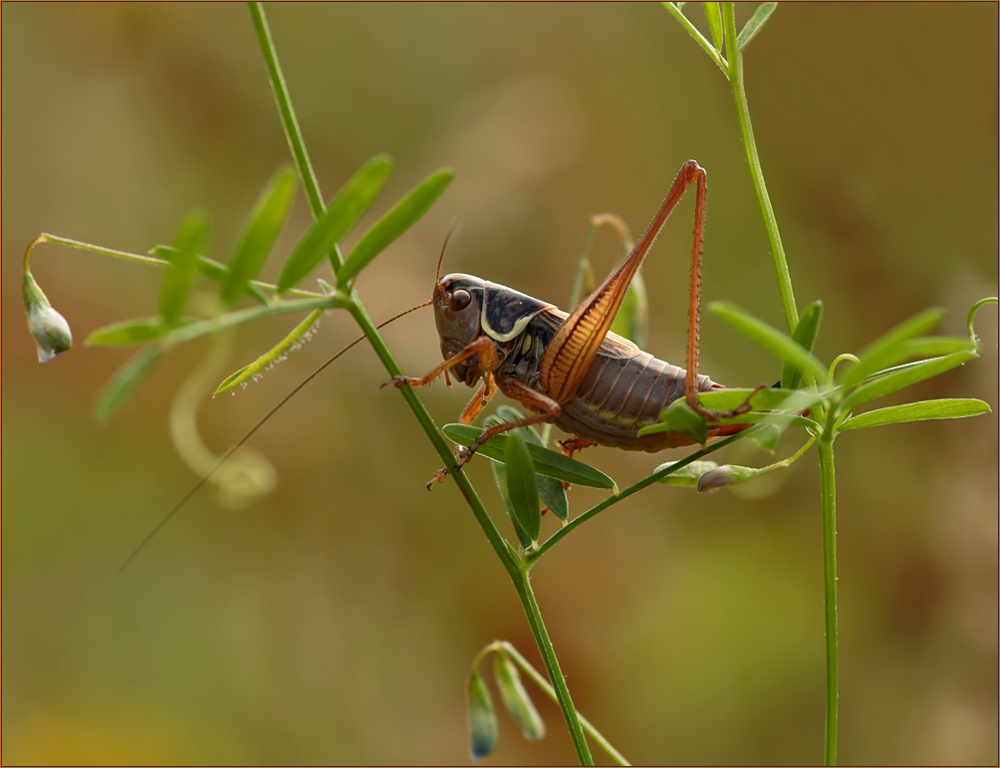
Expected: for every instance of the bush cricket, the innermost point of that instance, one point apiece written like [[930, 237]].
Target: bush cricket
[[570, 369]]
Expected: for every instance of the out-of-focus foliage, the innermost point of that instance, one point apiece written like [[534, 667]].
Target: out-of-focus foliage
[[334, 621]]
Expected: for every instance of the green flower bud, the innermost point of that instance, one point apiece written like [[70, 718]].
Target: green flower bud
[[483, 729], [727, 474], [49, 328]]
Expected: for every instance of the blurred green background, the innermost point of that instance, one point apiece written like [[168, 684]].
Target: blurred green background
[[335, 620]]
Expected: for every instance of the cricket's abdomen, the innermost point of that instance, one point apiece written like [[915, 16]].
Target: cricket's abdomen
[[619, 396]]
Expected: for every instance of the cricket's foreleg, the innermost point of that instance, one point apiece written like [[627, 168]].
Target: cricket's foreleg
[[547, 409], [483, 347], [479, 400]]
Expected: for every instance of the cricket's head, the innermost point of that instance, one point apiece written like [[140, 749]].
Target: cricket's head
[[458, 302]]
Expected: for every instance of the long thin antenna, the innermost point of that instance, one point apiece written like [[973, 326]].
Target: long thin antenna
[[451, 231], [198, 486]]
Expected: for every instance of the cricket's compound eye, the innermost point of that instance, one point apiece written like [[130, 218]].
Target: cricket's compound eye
[[459, 300]]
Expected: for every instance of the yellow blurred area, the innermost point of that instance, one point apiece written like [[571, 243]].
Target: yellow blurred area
[[334, 621]]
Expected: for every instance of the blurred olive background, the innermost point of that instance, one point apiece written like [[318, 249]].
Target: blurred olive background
[[335, 620]]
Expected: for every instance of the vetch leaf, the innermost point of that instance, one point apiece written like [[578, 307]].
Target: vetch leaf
[[179, 277], [804, 335], [522, 488], [515, 698], [922, 410], [550, 490], [483, 729], [687, 476], [678, 417], [403, 215], [124, 383], [500, 476], [272, 355], [259, 234], [714, 17], [343, 212], [754, 25], [911, 374], [768, 435], [771, 339], [768, 399], [885, 350], [549, 463], [128, 332]]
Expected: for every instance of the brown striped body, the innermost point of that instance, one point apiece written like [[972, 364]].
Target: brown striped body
[[623, 390]]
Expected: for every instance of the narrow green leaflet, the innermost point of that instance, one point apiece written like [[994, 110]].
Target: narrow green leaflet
[[343, 212], [259, 235], [128, 332], [274, 354], [765, 400], [124, 383], [776, 418], [891, 382], [500, 476], [550, 490], [884, 351], [483, 729], [752, 27], [403, 215], [923, 410], [805, 337], [678, 417], [687, 475], [522, 488], [179, 277], [771, 339], [515, 699], [549, 463], [714, 17]]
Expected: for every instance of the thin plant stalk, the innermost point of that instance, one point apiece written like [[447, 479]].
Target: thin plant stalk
[[827, 468], [828, 492], [735, 73], [357, 310]]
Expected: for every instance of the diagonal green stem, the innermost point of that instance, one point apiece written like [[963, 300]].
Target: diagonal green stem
[[609, 502], [511, 562]]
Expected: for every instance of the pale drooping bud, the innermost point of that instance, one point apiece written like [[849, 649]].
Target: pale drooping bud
[[50, 329]]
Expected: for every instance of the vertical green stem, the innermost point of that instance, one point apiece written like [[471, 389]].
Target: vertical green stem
[[735, 59], [828, 490], [534, 615]]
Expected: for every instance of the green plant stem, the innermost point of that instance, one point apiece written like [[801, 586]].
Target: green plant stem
[[828, 491], [532, 557], [511, 562], [527, 595], [288, 120], [141, 259], [735, 74]]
